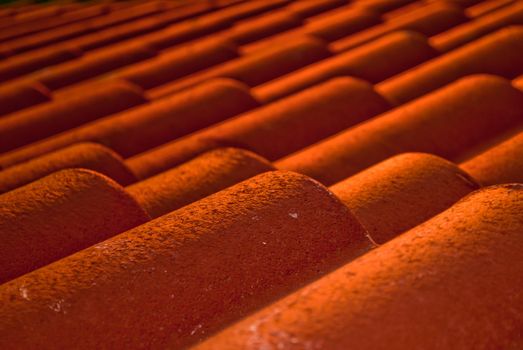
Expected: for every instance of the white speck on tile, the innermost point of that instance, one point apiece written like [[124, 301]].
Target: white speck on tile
[[293, 215], [196, 329], [24, 293], [264, 243], [58, 306]]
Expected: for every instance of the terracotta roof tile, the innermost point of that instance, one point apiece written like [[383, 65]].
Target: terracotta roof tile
[[150, 125], [429, 20], [82, 155], [374, 62], [467, 32], [257, 68], [500, 164], [423, 185], [196, 179], [328, 28], [309, 116], [15, 97], [497, 53], [55, 216], [211, 281], [400, 295], [47, 119], [115, 112], [445, 122]]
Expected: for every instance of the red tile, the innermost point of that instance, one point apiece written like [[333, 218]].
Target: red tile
[[257, 68], [402, 192], [82, 155], [470, 31], [32, 61], [429, 20], [59, 215], [328, 28], [497, 53], [199, 268], [196, 179], [381, 5], [502, 163], [373, 62], [15, 97], [177, 63], [150, 125], [446, 122], [308, 116], [253, 29], [39, 122], [487, 6], [451, 282], [310, 8], [92, 65]]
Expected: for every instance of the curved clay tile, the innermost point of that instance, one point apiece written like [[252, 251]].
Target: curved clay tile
[[311, 8], [36, 123], [497, 53], [402, 192], [381, 6], [150, 125], [503, 163], [52, 31], [32, 61], [446, 122], [375, 61], [14, 97], [277, 129], [196, 179], [257, 68], [475, 29], [428, 20], [208, 24], [253, 29], [92, 65], [452, 282], [199, 268], [328, 28], [83, 155], [58, 215], [172, 65], [487, 7]]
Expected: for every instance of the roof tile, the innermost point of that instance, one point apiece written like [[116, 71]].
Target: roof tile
[[446, 122], [47, 119], [196, 179], [90, 156], [56, 216], [309, 116], [198, 268], [15, 97], [400, 295], [423, 185]]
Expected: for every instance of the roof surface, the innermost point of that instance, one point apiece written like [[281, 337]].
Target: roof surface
[[263, 174]]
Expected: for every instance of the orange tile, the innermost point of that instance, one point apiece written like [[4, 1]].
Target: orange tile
[[502, 163], [150, 125], [402, 192], [308, 116], [199, 268], [446, 122], [59, 215], [448, 283], [44, 120], [497, 53], [470, 31], [90, 156], [196, 179], [428, 20], [257, 68], [15, 97], [373, 62]]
